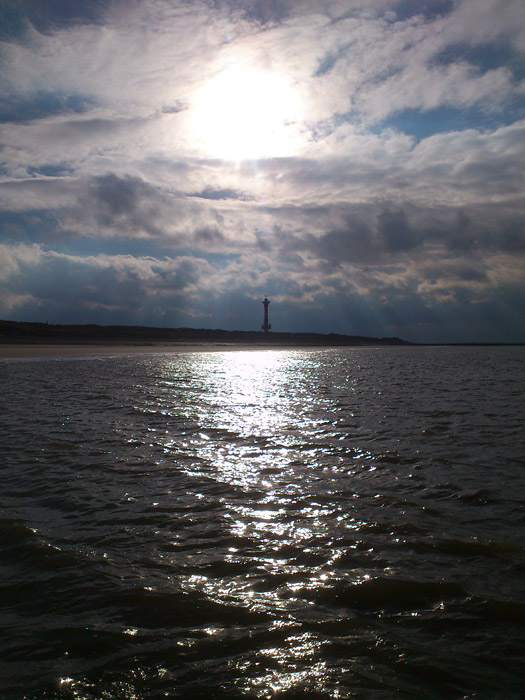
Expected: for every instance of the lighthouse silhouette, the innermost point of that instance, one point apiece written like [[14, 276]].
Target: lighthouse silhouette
[[266, 326]]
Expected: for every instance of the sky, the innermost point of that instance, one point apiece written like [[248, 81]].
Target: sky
[[360, 162]]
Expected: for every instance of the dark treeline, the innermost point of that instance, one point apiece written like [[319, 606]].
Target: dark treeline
[[23, 332]]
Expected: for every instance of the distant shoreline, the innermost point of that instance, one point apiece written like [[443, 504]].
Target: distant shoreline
[[23, 333], [30, 340]]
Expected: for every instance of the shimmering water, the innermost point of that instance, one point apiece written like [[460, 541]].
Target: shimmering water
[[296, 524]]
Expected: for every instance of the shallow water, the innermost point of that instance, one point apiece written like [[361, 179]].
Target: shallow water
[[301, 524]]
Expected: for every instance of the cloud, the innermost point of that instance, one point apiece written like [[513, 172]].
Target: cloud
[[118, 283], [225, 193], [371, 222]]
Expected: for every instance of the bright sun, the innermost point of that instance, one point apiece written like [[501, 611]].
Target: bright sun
[[246, 114]]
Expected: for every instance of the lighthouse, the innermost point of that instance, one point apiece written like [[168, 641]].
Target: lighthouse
[[266, 326]]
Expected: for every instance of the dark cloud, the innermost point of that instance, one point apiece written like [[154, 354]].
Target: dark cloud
[[118, 196], [208, 235], [127, 207], [174, 108], [225, 193], [124, 202], [396, 232], [46, 16], [453, 271], [54, 283], [354, 243], [362, 237], [42, 105]]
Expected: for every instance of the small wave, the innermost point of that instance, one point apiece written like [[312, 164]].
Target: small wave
[[21, 543], [497, 611], [476, 548], [158, 609], [480, 497], [392, 594]]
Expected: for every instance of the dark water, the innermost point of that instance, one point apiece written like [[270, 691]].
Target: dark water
[[296, 524]]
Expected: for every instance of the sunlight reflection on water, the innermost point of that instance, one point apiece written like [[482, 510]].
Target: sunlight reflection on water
[[261, 430], [263, 522], [252, 429], [249, 399]]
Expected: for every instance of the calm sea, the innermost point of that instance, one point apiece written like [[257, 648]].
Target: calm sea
[[340, 523]]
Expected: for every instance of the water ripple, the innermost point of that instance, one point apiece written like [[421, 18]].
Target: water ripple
[[302, 524]]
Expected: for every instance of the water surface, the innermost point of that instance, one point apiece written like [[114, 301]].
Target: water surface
[[298, 524]]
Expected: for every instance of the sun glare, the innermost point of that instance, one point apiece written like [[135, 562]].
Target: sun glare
[[246, 114]]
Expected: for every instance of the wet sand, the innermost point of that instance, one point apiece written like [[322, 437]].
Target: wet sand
[[32, 351]]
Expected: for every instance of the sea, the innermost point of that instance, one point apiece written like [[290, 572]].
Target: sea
[[302, 523]]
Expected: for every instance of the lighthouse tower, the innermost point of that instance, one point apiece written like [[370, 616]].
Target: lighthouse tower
[[266, 326]]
